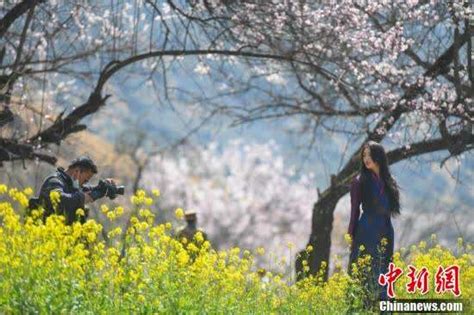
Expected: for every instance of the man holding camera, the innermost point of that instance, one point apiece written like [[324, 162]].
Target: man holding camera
[[73, 195]]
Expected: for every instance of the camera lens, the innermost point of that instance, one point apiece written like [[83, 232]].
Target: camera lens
[[120, 190]]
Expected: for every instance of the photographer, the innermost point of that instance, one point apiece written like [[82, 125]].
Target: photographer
[[73, 194]]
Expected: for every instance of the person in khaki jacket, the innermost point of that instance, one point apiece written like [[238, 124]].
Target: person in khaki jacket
[[190, 230]]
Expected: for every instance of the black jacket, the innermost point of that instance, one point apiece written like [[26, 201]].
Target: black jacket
[[71, 197]]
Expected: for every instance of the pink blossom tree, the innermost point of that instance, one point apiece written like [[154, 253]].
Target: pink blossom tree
[[397, 71], [378, 70], [63, 52]]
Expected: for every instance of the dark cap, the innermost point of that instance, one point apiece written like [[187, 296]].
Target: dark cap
[[84, 162], [190, 215]]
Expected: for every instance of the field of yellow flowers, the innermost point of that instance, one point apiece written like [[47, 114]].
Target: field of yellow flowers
[[53, 268]]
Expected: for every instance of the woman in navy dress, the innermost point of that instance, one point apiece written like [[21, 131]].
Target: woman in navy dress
[[377, 191]]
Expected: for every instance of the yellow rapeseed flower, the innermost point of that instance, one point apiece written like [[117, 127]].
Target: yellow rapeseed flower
[[3, 188], [154, 263], [183, 258], [206, 245], [191, 247], [28, 191], [145, 213], [199, 237], [91, 237], [179, 213], [141, 193], [143, 226], [235, 251], [148, 201], [55, 197], [111, 215], [134, 221], [119, 211], [115, 232], [422, 245], [348, 238], [104, 209]]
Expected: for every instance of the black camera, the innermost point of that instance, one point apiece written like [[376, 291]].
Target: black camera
[[120, 190], [111, 190]]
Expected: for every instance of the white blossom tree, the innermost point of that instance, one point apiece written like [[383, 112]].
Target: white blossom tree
[[244, 194]]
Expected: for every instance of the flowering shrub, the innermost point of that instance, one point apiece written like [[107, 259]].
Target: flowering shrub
[[50, 268]]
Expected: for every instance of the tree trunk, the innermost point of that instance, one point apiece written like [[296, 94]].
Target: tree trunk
[[138, 178], [323, 215]]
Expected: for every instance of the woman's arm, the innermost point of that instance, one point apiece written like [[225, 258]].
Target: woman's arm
[[356, 199]]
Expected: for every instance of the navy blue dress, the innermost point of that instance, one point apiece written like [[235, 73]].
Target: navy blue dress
[[373, 229]]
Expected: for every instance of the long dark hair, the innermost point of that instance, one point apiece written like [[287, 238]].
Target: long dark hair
[[378, 155]]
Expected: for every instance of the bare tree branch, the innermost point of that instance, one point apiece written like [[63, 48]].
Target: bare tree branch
[[18, 10]]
